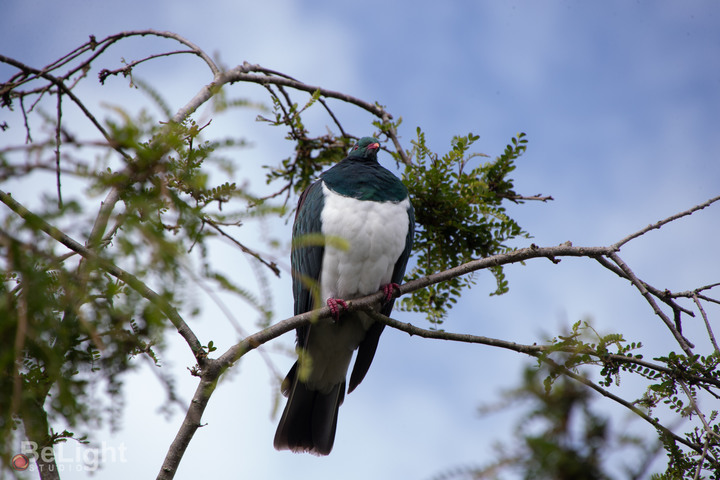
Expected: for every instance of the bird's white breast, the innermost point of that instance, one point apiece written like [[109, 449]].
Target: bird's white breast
[[375, 233]]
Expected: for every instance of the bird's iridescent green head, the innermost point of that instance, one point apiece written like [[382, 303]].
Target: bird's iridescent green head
[[366, 148]]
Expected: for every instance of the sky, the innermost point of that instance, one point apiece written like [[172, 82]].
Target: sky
[[619, 101]]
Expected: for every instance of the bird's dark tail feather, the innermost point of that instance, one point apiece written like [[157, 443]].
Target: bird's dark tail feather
[[310, 417]]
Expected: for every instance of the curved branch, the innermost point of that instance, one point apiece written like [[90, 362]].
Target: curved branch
[[241, 73], [99, 47], [125, 70], [271, 265]]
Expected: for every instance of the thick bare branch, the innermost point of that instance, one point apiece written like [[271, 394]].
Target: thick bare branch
[[191, 422]]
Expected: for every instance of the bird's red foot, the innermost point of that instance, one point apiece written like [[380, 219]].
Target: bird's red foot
[[389, 289], [334, 305]]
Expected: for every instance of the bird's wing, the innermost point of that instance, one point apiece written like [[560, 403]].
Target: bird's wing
[[307, 253], [367, 348]]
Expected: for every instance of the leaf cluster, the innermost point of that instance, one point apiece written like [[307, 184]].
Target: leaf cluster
[[312, 153], [561, 435], [460, 216], [69, 329], [674, 381], [62, 336]]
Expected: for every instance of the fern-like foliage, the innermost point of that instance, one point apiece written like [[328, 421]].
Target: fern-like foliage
[[459, 216]]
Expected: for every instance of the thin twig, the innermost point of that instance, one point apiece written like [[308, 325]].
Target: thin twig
[[28, 136], [702, 457], [707, 323], [58, 129], [708, 430], [534, 350], [708, 299], [65, 90], [689, 293], [231, 318], [693, 404], [125, 70], [539, 197], [624, 403], [271, 265], [669, 219], [332, 115]]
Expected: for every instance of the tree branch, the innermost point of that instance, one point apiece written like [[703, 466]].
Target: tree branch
[[191, 423], [663, 295], [215, 367], [536, 351], [532, 350], [242, 73], [674, 327]]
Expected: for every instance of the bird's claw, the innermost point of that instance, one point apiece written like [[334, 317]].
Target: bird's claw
[[389, 290], [334, 305]]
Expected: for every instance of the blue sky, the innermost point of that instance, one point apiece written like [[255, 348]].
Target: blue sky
[[620, 103]]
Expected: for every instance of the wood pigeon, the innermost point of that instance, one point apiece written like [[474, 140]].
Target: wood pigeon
[[367, 207]]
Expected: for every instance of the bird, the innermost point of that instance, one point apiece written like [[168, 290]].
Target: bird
[[364, 214]]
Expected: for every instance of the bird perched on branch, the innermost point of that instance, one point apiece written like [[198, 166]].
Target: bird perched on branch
[[352, 236]]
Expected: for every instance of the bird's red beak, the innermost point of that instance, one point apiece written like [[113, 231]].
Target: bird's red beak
[[373, 146]]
